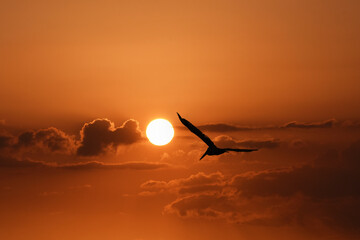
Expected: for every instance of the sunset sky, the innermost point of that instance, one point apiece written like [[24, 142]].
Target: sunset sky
[[81, 80]]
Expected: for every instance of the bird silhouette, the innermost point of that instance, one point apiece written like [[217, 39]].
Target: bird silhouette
[[212, 149]]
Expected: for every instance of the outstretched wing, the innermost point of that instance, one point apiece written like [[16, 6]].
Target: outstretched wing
[[196, 131], [239, 149]]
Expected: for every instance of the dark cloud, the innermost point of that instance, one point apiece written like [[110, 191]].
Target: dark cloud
[[96, 137], [314, 182], [201, 179], [324, 124], [199, 182], [50, 139], [26, 139], [5, 141], [225, 127], [9, 162], [126, 165], [329, 193], [201, 196], [201, 205], [54, 139], [227, 141], [101, 134]]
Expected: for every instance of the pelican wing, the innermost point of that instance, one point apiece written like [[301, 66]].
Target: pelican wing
[[239, 149], [196, 131]]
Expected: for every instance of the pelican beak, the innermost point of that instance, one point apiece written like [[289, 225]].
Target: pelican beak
[[203, 156]]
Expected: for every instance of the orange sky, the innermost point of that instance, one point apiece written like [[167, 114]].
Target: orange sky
[[80, 81], [119, 59]]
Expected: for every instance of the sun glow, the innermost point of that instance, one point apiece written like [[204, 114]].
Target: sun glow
[[160, 132]]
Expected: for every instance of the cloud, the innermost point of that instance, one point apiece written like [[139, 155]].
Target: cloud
[[329, 193], [199, 182], [96, 137], [223, 127], [201, 195], [101, 134], [9, 162], [314, 182], [126, 165], [324, 124], [50, 139], [26, 139], [202, 205], [227, 141], [55, 139], [5, 141], [226, 127], [198, 179]]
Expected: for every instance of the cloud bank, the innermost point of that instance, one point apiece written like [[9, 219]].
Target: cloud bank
[[225, 127], [96, 137], [325, 191]]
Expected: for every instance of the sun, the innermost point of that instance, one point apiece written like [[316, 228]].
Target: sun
[[160, 132]]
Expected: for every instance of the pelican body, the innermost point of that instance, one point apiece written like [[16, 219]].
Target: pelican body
[[212, 149]]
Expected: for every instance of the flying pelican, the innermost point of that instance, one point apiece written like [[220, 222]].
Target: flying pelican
[[212, 149]]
